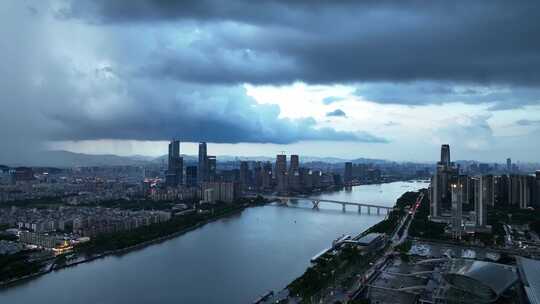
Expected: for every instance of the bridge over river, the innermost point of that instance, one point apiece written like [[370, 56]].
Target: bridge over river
[[317, 201]]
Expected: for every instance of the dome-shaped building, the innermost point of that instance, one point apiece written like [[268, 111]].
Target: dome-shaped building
[[471, 281]]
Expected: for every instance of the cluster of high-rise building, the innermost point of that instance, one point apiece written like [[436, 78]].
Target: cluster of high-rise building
[[462, 199], [360, 173], [202, 176], [204, 171], [284, 176], [175, 170]]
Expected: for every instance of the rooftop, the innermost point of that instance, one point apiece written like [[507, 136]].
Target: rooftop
[[485, 281], [529, 271], [367, 239]]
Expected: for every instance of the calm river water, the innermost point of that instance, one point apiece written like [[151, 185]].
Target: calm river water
[[232, 260]]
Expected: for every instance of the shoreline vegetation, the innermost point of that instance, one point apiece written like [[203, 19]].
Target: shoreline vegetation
[[118, 244]]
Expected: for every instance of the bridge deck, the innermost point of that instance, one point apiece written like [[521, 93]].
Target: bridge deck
[[328, 201]]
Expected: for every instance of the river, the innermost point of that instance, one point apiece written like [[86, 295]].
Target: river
[[231, 260]]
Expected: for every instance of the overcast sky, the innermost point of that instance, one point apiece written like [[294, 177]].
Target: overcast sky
[[380, 79]]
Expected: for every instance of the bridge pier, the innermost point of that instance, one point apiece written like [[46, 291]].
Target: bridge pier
[[368, 210], [360, 209], [343, 207], [378, 211], [315, 204]]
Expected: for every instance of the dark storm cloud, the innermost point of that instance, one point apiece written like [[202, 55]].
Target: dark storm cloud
[[258, 12], [350, 41], [70, 81], [336, 113], [199, 113]]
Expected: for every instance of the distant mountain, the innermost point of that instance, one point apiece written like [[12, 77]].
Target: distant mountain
[[64, 159], [369, 161], [70, 159], [141, 157], [331, 160]]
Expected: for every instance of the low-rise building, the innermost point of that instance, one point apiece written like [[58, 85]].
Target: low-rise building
[[38, 239], [371, 242]]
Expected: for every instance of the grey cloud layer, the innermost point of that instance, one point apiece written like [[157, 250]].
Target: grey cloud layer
[[69, 81], [350, 41], [393, 43], [194, 113], [528, 122], [152, 70], [423, 93]]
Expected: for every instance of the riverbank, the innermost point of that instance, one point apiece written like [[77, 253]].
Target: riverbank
[[339, 269], [121, 251], [241, 256]]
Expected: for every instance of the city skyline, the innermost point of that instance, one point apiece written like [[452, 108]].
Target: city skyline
[[156, 150], [98, 78]]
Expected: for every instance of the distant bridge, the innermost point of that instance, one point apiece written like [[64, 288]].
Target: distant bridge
[[316, 201]]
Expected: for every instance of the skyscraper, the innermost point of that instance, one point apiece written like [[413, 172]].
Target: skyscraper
[[502, 186], [191, 176], [537, 190], [527, 189], [244, 175], [445, 155], [174, 176], [484, 196], [258, 175], [267, 175], [202, 171], [281, 172], [294, 180], [174, 151], [294, 174], [488, 186], [513, 190], [295, 163], [434, 195], [508, 165], [347, 176], [441, 191], [211, 163], [520, 190], [457, 205], [281, 163]]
